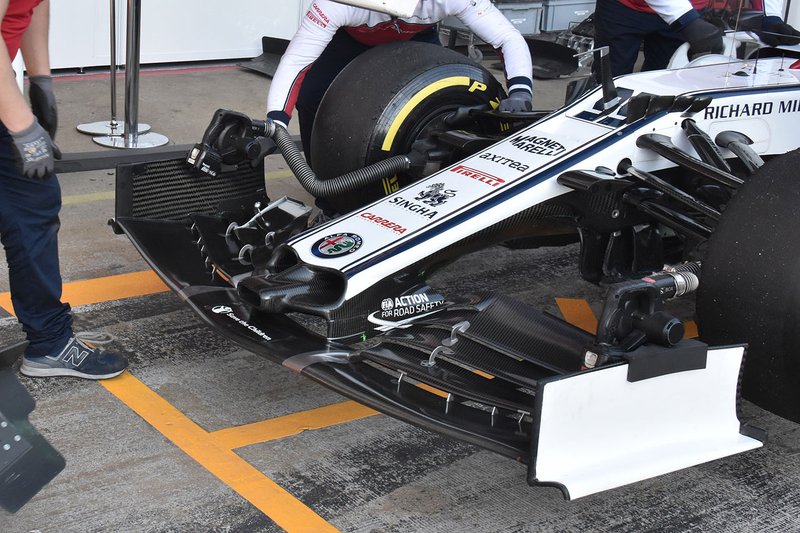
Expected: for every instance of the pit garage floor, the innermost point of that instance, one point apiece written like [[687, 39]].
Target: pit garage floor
[[200, 435]]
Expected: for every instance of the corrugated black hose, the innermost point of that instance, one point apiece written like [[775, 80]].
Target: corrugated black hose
[[320, 188]]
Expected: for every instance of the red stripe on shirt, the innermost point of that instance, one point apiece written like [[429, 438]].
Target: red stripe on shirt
[[386, 32]]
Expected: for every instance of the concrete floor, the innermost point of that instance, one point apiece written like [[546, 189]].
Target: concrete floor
[[159, 451]]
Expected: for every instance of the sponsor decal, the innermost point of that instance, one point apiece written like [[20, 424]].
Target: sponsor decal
[[435, 194], [390, 185], [417, 209], [407, 308], [537, 145], [385, 222], [74, 356], [740, 110], [316, 16], [505, 161], [336, 245], [228, 312], [789, 106], [483, 177]]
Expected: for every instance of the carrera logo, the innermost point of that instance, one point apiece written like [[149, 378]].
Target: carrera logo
[[320, 13], [316, 16], [537, 145], [483, 177], [386, 223], [336, 245], [505, 161]]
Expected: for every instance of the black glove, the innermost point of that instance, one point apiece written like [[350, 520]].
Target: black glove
[[703, 38], [34, 150], [775, 32], [43, 103], [517, 102]]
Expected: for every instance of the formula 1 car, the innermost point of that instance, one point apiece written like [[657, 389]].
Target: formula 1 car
[[647, 170]]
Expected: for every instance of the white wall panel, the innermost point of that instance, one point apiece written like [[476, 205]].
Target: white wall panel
[[172, 30]]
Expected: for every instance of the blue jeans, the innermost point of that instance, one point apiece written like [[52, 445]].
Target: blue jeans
[[625, 31], [29, 226]]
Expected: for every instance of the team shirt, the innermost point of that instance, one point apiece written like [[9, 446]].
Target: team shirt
[[671, 10], [372, 28]]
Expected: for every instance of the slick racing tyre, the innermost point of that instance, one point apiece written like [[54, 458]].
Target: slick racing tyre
[[383, 101], [750, 285]]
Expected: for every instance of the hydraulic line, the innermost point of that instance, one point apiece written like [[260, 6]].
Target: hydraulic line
[[327, 188]]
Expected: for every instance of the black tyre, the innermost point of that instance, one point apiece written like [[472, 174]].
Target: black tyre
[[383, 101], [750, 288]]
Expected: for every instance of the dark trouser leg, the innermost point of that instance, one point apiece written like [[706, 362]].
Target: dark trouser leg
[[623, 30], [659, 48], [340, 51], [28, 229]]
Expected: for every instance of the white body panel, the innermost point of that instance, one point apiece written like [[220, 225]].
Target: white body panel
[[409, 229], [644, 429]]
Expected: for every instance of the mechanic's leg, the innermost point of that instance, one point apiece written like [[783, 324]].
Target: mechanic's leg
[[659, 48], [29, 226], [428, 36], [621, 29], [340, 51]]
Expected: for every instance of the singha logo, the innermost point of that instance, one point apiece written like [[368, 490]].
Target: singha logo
[[434, 194]]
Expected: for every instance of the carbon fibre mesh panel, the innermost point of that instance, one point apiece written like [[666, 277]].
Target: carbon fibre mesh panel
[[171, 190], [524, 332]]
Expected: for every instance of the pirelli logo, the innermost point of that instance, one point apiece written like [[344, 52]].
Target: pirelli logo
[[483, 177]]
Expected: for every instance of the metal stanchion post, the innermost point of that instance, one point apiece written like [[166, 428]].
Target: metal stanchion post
[[110, 127], [131, 137]]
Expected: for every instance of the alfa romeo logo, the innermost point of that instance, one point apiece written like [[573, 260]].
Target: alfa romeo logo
[[221, 309], [336, 245]]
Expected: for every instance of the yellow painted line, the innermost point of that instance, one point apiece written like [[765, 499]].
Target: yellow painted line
[[263, 493], [279, 174], [578, 313], [286, 426], [104, 289], [86, 198], [414, 101]]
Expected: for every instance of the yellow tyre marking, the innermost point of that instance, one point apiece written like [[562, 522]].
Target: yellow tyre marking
[[414, 102]]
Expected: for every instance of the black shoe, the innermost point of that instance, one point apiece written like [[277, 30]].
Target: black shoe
[[77, 359]]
